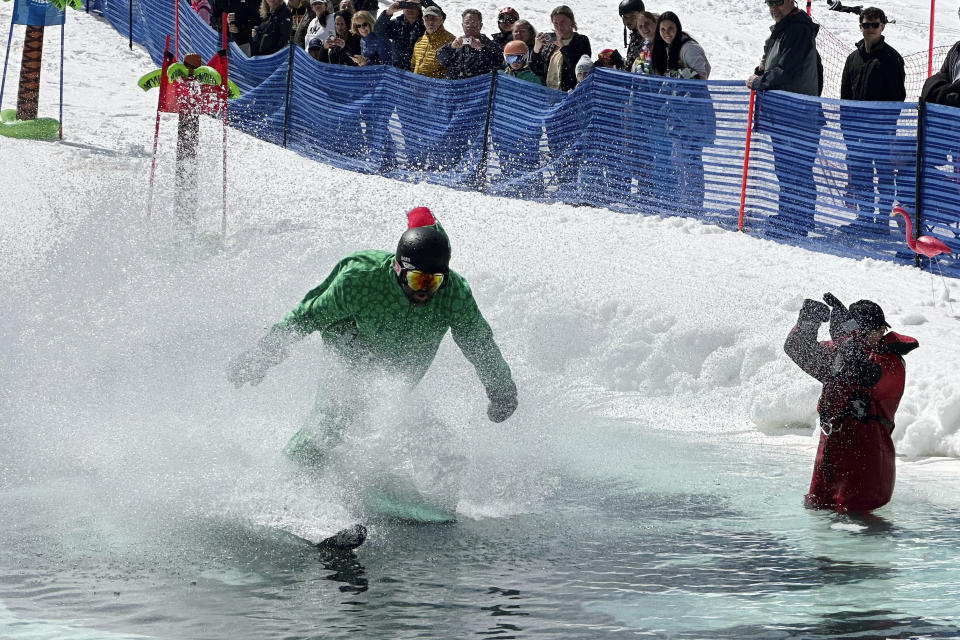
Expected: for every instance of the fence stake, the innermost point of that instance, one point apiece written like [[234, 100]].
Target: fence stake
[[930, 46], [921, 117], [481, 176], [286, 97], [746, 160]]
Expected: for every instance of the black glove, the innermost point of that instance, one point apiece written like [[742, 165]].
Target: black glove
[[841, 322], [813, 311], [502, 405]]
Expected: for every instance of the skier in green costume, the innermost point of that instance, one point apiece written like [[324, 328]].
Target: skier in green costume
[[388, 312]]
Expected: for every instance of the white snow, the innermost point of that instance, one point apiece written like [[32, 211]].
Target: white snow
[[114, 337]]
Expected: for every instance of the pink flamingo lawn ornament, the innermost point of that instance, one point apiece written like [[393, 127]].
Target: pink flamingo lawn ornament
[[925, 246]]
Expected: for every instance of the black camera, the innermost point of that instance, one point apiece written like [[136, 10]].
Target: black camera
[[408, 5]]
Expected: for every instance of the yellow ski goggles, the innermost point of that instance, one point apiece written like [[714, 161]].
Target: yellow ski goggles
[[422, 281]]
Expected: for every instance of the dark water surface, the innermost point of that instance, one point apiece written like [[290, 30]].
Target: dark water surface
[[637, 541]]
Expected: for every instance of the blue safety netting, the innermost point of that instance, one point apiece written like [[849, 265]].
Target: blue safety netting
[[823, 173]]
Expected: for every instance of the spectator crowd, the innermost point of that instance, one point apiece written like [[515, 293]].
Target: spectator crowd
[[416, 36]]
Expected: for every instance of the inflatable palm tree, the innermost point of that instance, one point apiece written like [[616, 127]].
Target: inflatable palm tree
[[36, 17]]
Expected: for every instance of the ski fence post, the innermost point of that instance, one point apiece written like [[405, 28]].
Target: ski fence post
[[480, 177], [156, 136], [809, 2], [933, 3], [63, 29], [176, 29], [130, 26], [921, 117], [224, 93], [6, 58], [746, 160], [286, 97]]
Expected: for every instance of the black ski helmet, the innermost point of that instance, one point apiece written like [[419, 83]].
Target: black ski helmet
[[626, 6], [424, 248]]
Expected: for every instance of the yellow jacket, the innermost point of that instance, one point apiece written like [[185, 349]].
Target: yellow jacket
[[424, 59]]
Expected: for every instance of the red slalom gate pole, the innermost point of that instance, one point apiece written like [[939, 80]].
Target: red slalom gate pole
[[746, 161], [933, 3], [156, 137]]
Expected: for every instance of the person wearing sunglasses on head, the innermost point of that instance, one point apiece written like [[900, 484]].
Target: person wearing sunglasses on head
[[874, 72], [791, 63], [382, 312], [506, 18]]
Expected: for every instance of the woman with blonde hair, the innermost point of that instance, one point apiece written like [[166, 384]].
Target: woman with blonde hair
[[275, 31], [374, 49]]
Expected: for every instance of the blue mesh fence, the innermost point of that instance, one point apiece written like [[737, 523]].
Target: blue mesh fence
[[823, 173]]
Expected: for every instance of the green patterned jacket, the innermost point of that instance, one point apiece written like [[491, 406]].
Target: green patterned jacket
[[362, 312]]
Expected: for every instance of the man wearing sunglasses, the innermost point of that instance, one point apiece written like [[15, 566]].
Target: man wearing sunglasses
[[383, 312], [791, 63], [874, 72]]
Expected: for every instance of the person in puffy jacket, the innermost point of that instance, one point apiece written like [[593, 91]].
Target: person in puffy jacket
[[276, 30], [383, 313], [424, 60], [862, 372]]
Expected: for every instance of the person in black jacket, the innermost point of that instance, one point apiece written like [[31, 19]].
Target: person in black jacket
[[275, 31], [404, 30], [506, 18], [555, 55], [242, 17], [874, 71], [472, 54], [341, 46], [790, 63]]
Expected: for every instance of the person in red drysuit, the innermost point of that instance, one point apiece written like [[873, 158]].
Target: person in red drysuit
[[862, 372]]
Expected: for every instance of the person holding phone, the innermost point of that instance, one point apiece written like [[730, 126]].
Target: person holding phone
[[473, 53], [402, 30], [341, 45], [242, 17], [275, 31], [555, 55]]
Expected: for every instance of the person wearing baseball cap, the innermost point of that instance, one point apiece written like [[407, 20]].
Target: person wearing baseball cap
[[424, 59], [862, 371]]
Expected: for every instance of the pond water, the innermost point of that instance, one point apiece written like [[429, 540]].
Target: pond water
[[644, 533]]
